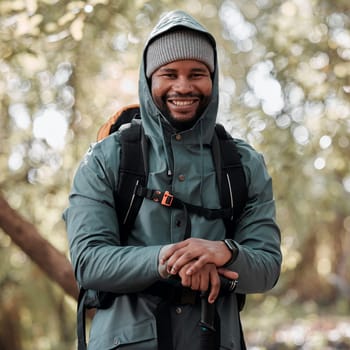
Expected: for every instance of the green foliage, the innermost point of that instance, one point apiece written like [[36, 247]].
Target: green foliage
[[65, 66]]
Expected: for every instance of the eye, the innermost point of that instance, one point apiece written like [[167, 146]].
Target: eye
[[199, 75], [170, 75]]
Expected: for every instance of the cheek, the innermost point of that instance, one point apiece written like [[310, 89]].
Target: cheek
[[208, 88], [156, 92], [156, 89]]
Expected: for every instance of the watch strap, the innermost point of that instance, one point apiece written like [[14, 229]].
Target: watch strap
[[233, 249]]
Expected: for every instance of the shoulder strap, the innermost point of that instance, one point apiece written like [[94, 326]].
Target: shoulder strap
[[133, 167], [230, 176], [232, 186], [133, 172]]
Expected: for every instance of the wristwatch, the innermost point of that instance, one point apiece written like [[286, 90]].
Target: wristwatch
[[233, 249]]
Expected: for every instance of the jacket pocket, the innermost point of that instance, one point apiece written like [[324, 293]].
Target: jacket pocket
[[141, 336]]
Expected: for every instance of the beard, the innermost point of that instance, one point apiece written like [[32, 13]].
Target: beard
[[181, 125]]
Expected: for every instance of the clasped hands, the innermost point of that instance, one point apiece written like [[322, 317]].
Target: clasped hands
[[198, 263]]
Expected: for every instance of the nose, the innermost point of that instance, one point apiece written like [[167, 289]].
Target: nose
[[183, 85]]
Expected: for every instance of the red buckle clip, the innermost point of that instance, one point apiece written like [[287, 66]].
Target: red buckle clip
[[167, 199]]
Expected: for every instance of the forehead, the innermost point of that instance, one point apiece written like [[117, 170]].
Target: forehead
[[185, 65]]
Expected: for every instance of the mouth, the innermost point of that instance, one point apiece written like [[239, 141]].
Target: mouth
[[182, 103]]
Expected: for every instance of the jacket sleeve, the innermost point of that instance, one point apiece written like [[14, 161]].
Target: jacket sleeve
[[98, 260], [257, 236]]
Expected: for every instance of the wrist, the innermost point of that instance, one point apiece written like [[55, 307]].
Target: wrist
[[162, 266], [162, 270], [231, 246]]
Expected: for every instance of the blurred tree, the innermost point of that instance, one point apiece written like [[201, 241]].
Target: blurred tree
[[66, 65]]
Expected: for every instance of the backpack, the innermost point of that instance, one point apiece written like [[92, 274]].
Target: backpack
[[131, 190]]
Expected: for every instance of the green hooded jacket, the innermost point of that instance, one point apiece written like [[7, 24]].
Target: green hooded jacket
[[180, 162]]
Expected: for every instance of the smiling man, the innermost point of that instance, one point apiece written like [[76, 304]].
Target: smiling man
[[175, 284]]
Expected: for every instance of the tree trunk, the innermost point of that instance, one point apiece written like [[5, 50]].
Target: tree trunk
[[43, 253]]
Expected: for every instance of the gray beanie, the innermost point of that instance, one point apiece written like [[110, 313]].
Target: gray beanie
[[181, 44]]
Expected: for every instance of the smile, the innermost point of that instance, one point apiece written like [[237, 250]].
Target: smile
[[183, 103]]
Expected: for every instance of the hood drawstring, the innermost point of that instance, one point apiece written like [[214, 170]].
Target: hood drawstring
[[202, 161], [166, 151]]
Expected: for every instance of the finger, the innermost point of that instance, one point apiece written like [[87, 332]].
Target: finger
[[191, 247], [168, 251], [186, 281], [197, 266], [214, 287], [165, 252], [179, 259], [195, 282], [232, 275], [204, 283]]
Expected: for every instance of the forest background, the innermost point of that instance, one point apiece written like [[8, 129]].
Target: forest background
[[66, 66]]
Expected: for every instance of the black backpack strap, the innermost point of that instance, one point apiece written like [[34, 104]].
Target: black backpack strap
[[133, 172], [81, 313], [230, 176], [163, 325], [233, 189]]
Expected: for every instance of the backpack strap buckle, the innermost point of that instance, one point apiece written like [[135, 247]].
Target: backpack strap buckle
[[167, 199], [164, 198]]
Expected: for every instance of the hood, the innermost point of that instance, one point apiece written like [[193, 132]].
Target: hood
[[152, 118]]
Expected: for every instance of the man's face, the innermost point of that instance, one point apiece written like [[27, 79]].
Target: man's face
[[182, 90]]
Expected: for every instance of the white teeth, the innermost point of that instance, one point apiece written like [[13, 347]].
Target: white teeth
[[182, 103]]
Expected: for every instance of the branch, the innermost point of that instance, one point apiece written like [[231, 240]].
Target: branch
[[43, 253]]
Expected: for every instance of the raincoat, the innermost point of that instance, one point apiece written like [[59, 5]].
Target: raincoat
[[180, 162]]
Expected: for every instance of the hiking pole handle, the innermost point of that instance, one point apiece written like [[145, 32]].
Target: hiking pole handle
[[207, 312]]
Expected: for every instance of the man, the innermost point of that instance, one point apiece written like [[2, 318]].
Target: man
[[178, 91]]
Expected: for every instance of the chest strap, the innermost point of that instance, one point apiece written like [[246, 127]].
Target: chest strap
[[170, 201]]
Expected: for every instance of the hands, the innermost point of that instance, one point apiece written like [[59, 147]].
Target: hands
[[199, 251], [198, 263]]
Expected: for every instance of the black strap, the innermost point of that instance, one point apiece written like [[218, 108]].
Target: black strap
[[230, 176], [242, 342], [163, 324], [132, 173], [231, 180], [81, 315], [168, 200]]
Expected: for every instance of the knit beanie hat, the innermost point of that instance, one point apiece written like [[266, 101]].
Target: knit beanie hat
[[181, 44]]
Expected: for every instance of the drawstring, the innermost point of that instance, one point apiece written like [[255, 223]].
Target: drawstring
[[169, 171], [202, 161]]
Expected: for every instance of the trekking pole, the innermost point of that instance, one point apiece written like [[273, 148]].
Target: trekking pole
[[210, 334]]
